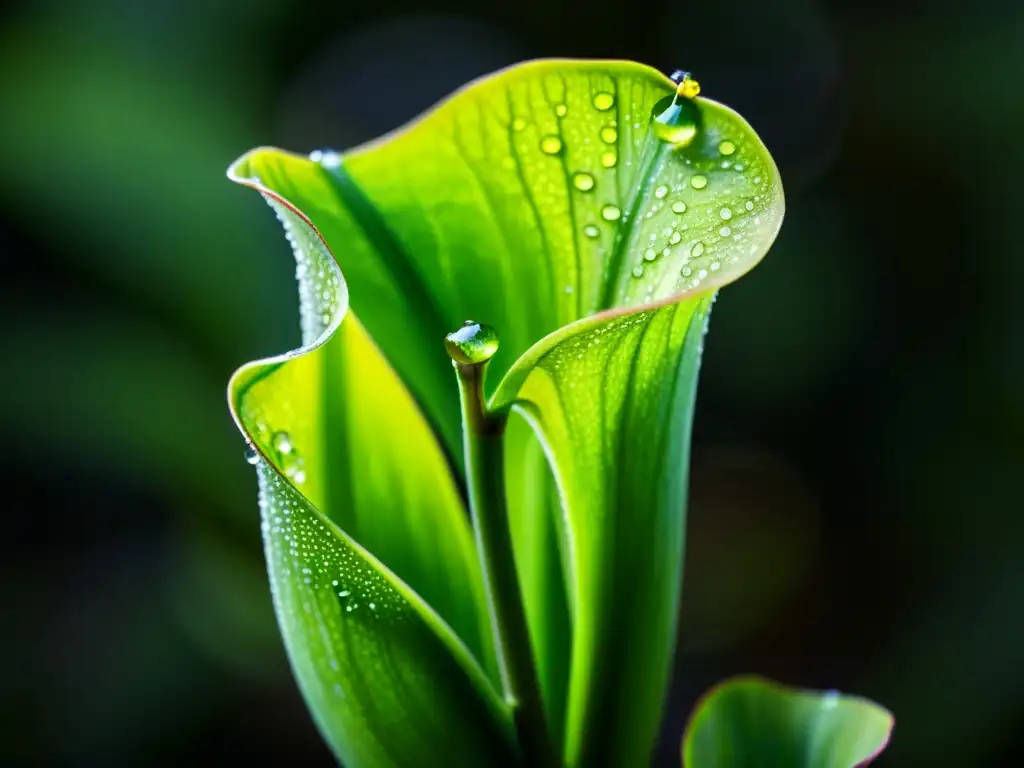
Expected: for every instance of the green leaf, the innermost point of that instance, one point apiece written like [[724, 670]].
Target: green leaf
[[750, 721], [386, 646], [589, 214]]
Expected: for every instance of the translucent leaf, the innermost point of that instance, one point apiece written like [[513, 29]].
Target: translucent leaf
[[752, 722]]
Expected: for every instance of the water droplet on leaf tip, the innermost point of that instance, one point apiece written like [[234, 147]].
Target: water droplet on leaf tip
[[603, 101], [473, 343], [675, 121], [551, 145], [678, 76]]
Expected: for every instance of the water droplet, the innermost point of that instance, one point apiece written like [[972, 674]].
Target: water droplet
[[678, 207], [699, 182], [696, 249], [638, 271], [282, 443], [551, 145], [327, 158], [518, 124], [608, 159], [725, 213], [473, 343], [609, 135], [748, 205], [726, 147], [650, 254], [611, 213], [251, 454], [715, 266], [584, 182], [675, 238], [591, 230], [661, 191], [675, 120], [686, 271], [560, 110], [678, 76], [603, 101], [725, 231]]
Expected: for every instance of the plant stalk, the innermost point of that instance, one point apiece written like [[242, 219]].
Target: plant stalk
[[483, 444]]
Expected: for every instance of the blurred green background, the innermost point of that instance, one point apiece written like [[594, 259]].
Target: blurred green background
[[856, 516]]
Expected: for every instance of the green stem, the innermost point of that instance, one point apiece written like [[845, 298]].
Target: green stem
[[483, 443]]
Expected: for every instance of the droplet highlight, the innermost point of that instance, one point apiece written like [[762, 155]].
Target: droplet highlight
[[282, 443]]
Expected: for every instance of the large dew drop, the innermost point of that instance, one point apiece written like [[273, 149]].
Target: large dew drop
[[603, 101], [676, 119], [472, 344]]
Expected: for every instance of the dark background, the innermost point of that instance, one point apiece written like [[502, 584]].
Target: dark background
[[858, 456]]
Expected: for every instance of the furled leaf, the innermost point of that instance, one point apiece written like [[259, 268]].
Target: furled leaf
[[751, 722], [386, 646], [588, 213]]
